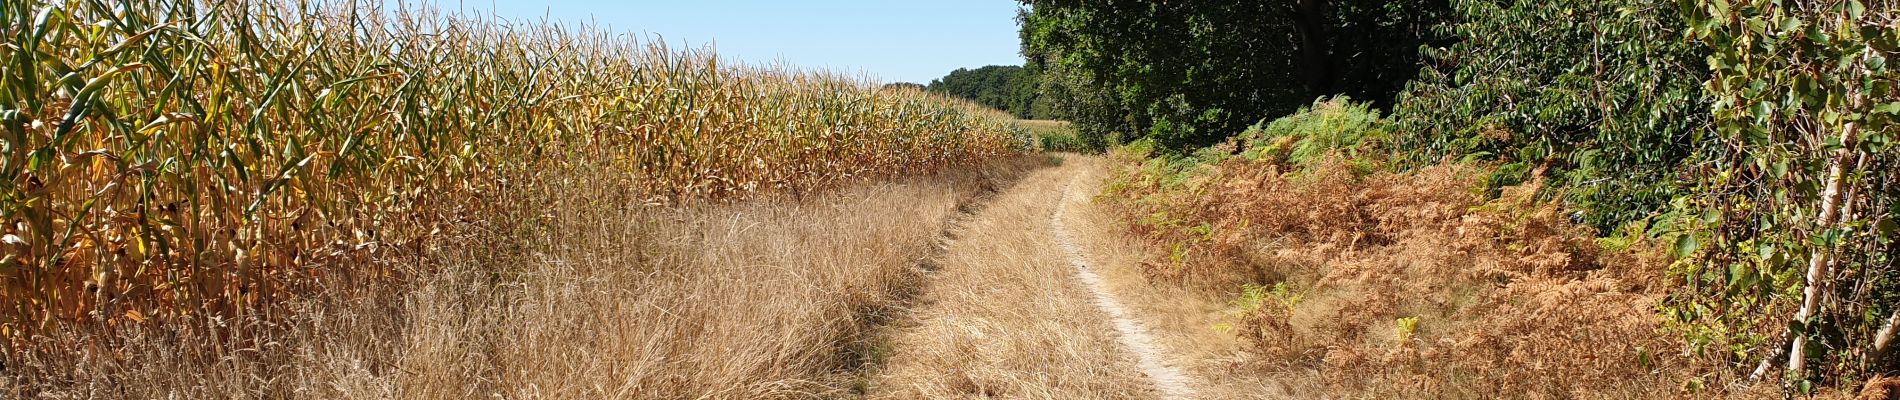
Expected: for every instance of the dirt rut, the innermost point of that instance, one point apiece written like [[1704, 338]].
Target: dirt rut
[[1013, 311], [1150, 356]]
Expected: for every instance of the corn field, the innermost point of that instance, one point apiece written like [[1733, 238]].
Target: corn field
[[165, 158]]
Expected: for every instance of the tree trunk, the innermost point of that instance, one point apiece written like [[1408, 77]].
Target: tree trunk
[[1885, 337], [1766, 362], [1818, 263], [1315, 55]]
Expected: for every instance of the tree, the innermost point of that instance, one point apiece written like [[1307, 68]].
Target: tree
[[1190, 73], [1609, 103], [1004, 87], [1801, 190], [903, 85]]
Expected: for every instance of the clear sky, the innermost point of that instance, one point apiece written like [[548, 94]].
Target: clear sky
[[895, 41]]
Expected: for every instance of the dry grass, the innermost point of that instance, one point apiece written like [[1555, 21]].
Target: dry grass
[[166, 159], [1004, 316], [1504, 298], [267, 199], [1195, 325], [586, 294]]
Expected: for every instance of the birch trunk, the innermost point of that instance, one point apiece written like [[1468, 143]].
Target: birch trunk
[[1818, 263], [1885, 337]]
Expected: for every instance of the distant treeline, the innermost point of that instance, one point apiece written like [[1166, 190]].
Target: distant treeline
[[1010, 88]]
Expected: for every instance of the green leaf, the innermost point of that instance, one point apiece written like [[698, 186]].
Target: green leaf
[[1875, 38], [1740, 275], [1686, 246], [1686, 8], [1790, 24], [1827, 238]]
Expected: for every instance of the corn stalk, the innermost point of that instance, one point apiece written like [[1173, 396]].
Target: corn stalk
[[165, 158]]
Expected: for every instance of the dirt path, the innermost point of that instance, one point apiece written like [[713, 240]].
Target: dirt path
[[1014, 311], [1172, 383]]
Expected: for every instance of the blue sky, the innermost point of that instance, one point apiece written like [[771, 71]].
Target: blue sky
[[895, 41]]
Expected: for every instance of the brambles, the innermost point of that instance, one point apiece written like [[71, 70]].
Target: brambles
[[169, 157]]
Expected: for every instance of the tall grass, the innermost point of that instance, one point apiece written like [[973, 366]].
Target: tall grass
[[598, 297], [1058, 136], [168, 158]]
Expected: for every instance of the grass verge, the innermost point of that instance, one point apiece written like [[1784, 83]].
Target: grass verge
[[582, 291]]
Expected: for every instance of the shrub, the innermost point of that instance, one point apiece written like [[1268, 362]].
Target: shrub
[[1603, 95], [1328, 126], [1794, 211]]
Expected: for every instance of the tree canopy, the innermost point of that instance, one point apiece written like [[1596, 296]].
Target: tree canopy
[[1005, 87], [1755, 136], [1190, 73]]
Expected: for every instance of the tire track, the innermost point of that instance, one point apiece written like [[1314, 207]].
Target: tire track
[[1170, 381]]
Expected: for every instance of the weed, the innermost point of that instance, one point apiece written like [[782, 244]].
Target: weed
[[1406, 326]]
